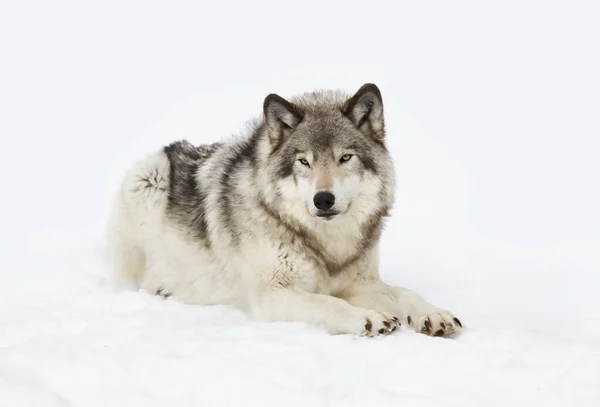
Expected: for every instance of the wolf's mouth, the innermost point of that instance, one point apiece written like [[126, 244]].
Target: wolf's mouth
[[327, 215]]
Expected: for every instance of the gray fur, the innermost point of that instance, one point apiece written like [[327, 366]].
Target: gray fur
[[284, 221], [317, 122], [186, 200]]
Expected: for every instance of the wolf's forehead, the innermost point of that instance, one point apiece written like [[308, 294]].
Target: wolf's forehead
[[328, 131]]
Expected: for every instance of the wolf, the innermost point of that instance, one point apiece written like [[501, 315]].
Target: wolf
[[283, 222]]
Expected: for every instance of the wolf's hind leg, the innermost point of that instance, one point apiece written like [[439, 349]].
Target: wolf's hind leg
[[127, 260], [137, 216]]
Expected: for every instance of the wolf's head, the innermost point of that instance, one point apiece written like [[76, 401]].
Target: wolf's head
[[324, 153]]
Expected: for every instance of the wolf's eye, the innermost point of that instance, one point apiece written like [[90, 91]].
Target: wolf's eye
[[304, 161], [345, 157]]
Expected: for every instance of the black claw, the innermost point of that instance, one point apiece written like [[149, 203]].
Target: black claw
[[393, 329], [387, 324], [161, 292], [457, 322], [368, 326], [443, 325], [427, 324], [439, 332], [409, 319], [381, 331]]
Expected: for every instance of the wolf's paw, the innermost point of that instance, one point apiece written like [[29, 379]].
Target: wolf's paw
[[380, 323], [161, 292], [438, 322]]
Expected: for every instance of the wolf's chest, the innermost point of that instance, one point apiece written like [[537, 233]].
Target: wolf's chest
[[338, 250]]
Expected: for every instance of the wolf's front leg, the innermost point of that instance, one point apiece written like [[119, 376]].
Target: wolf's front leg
[[408, 305], [334, 315], [361, 286], [283, 285], [423, 316], [371, 294]]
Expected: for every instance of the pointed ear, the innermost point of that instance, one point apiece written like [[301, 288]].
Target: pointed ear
[[281, 117], [365, 110]]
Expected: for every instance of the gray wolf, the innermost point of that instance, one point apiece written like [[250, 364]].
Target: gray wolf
[[283, 222]]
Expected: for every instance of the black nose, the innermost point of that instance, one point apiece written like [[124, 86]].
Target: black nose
[[324, 200]]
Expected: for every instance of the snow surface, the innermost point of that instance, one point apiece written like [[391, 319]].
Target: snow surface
[[492, 116], [71, 338]]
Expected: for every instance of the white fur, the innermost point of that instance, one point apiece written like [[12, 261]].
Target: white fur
[[153, 253]]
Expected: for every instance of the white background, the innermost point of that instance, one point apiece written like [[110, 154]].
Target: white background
[[508, 90], [493, 119]]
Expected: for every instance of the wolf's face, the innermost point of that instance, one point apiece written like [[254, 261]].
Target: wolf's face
[[327, 161], [327, 154]]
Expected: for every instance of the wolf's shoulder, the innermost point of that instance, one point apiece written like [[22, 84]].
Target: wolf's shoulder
[[184, 152]]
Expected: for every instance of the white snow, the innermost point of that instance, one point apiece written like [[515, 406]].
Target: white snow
[[492, 118], [69, 337]]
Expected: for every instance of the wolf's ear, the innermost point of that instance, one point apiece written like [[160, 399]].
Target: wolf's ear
[[365, 110], [281, 117]]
